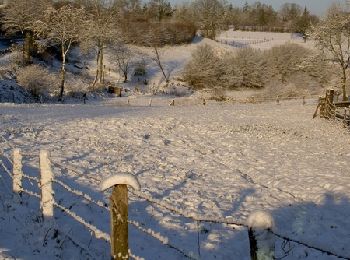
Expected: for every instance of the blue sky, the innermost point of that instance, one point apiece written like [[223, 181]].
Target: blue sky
[[318, 7]]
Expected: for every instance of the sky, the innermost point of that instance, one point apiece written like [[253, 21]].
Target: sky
[[318, 7]]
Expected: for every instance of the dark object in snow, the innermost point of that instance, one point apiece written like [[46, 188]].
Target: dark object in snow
[[115, 90]]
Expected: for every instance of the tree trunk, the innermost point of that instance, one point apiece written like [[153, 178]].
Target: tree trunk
[[27, 47], [99, 65], [344, 85], [125, 76], [63, 74], [101, 68]]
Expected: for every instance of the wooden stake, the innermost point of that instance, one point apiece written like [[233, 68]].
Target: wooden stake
[[262, 242], [150, 102], [119, 222], [17, 171], [119, 212], [46, 175]]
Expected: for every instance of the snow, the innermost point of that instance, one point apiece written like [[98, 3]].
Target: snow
[[260, 220], [120, 178], [217, 161]]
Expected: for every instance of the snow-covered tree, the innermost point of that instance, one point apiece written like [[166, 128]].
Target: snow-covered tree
[[252, 68], [332, 35], [209, 14], [284, 60], [205, 68], [19, 16], [64, 26]]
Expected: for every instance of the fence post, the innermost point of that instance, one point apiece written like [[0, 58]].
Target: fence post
[[262, 242], [345, 117], [17, 171], [46, 178], [304, 102], [150, 102], [119, 212]]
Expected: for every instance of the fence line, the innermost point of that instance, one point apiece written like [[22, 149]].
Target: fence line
[[161, 204]]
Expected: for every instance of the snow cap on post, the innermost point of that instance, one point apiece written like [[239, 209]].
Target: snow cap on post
[[122, 178], [260, 220]]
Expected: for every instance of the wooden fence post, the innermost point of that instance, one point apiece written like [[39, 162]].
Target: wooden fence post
[[46, 178], [17, 171], [262, 242], [345, 122], [119, 212], [304, 102], [150, 102]]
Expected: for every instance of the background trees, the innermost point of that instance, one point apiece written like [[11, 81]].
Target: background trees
[[63, 26], [19, 17], [332, 36], [102, 31]]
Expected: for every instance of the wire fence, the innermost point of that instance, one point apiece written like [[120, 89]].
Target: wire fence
[[228, 222]]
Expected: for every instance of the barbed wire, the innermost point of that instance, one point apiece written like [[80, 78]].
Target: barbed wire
[[101, 235]]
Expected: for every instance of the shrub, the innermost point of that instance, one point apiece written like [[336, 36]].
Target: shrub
[[37, 80], [205, 68]]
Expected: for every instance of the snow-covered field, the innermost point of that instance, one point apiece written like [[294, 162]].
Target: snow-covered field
[[215, 161]]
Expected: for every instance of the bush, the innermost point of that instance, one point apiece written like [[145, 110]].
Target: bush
[[249, 68], [205, 68], [37, 80]]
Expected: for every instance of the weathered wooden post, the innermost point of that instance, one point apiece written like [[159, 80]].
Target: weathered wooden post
[[150, 102], [304, 102], [17, 171], [262, 242], [119, 212], [331, 96], [345, 122], [128, 101], [46, 177]]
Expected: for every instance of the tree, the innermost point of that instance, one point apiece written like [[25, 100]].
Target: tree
[[209, 14], [122, 56], [19, 16], [205, 68], [284, 60], [64, 26], [332, 35], [102, 32]]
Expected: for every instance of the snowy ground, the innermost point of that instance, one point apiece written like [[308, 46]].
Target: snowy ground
[[210, 161]]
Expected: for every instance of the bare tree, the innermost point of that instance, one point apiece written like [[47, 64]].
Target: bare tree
[[158, 61], [122, 56], [102, 32], [64, 26], [19, 16], [332, 35]]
